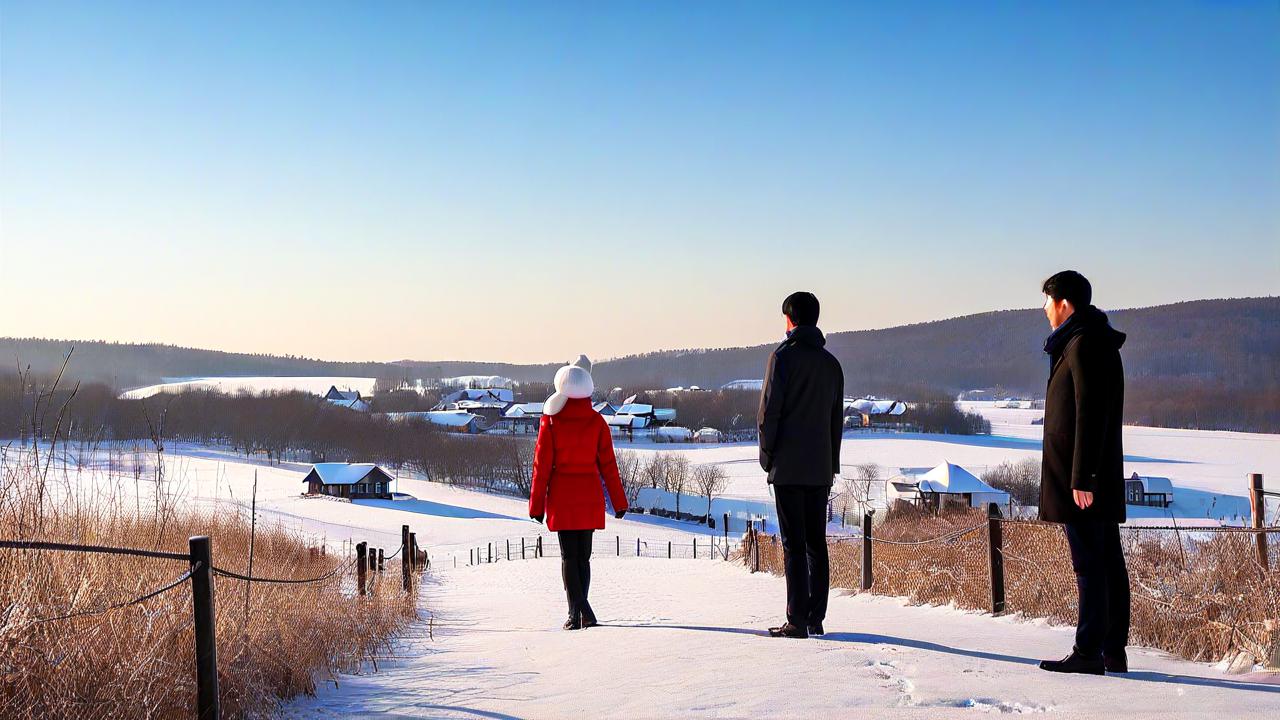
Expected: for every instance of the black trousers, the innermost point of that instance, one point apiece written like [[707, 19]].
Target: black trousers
[[575, 568], [1103, 582], [802, 522]]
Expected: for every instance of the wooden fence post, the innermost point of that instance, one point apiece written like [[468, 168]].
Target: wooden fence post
[[867, 577], [404, 557], [538, 550], [207, 707], [695, 547], [508, 549], [413, 547], [637, 547], [381, 560], [362, 567], [617, 541], [1258, 511], [668, 549], [995, 557], [522, 549]]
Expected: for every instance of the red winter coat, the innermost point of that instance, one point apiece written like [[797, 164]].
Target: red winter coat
[[574, 450]]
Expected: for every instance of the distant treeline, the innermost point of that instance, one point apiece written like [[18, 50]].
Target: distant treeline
[[1209, 364], [279, 426]]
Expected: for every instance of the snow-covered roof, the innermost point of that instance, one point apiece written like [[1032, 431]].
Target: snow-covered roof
[[873, 406], [664, 414], [755, 385], [636, 409], [502, 395], [524, 409], [479, 404], [1154, 484], [353, 404], [336, 473], [952, 479], [605, 408], [336, 394], [630, 421], [446, 418]]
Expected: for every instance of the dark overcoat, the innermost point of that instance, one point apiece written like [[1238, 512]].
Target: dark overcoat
[[801, 417], [1083, 411]]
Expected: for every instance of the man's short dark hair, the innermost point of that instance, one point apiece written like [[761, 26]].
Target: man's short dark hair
[[1071, 286], [801, 307]]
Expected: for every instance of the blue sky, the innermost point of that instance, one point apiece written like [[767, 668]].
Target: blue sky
[[530, 181]]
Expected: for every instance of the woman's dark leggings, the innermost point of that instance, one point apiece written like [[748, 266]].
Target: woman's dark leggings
[[575, 567]]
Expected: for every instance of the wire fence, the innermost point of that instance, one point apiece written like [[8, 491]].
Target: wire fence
[[1201, 593], [72, 615], [531, 547]]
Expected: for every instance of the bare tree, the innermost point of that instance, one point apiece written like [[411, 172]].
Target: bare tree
[[677, 476], [631, 471], [711, 480], [855, 489], [655, 471]]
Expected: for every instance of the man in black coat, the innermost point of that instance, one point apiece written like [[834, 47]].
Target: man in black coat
[[801, 421], [1082, 481]]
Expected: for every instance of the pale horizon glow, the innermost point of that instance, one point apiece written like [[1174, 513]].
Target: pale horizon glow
[[525, 183]]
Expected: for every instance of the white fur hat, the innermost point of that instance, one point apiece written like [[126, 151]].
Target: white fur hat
[[572, 381]]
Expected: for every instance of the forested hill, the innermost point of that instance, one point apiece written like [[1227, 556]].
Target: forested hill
[[1185, 362]]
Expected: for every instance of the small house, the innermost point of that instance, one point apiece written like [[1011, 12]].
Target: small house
[[521, 418], [349, 480], [1148, 490], [451, 420], [708, 435], [605, 408], [349, 399]]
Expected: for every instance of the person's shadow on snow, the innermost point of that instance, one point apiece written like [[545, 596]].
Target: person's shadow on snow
[[875, 639]]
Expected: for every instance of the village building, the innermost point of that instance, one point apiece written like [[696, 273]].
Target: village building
[[521, 418], [349, 399], [349, 480], [944, 485], [1148, 490], [451, 420]]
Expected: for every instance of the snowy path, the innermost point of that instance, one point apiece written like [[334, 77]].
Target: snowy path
[[685, 638]]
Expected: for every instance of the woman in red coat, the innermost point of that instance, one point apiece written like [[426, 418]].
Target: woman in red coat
[[574, 451]]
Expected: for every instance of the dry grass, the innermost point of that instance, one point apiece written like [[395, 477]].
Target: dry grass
[[139, 661], [1199, 595]]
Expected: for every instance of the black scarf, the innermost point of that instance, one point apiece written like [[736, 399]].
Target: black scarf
[[1086, 319]]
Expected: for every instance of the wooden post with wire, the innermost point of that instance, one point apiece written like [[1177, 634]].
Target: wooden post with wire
[[207, 707], [381, 560], [867, 578], [362, 566], [1258, 511], [404, 557], [995, 557]]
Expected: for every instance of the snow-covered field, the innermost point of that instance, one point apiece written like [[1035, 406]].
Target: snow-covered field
[[1208, 468], [682, 638], [256, 385]]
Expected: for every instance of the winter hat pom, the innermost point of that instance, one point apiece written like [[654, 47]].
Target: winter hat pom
[[572, 381]]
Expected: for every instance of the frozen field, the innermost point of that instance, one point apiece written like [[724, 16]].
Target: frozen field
[[255, 385], [1208, 468]]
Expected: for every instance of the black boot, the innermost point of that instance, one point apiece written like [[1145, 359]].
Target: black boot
[[1116, 662], [788, 630], [1074, 663], [816, 629], [574, 622], [588, 616]]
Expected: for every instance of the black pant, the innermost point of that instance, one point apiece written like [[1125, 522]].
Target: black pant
[[802, 522], [1103, 581], [575, 568]]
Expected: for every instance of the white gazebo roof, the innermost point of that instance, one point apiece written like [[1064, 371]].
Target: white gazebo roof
[[950, 478]]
